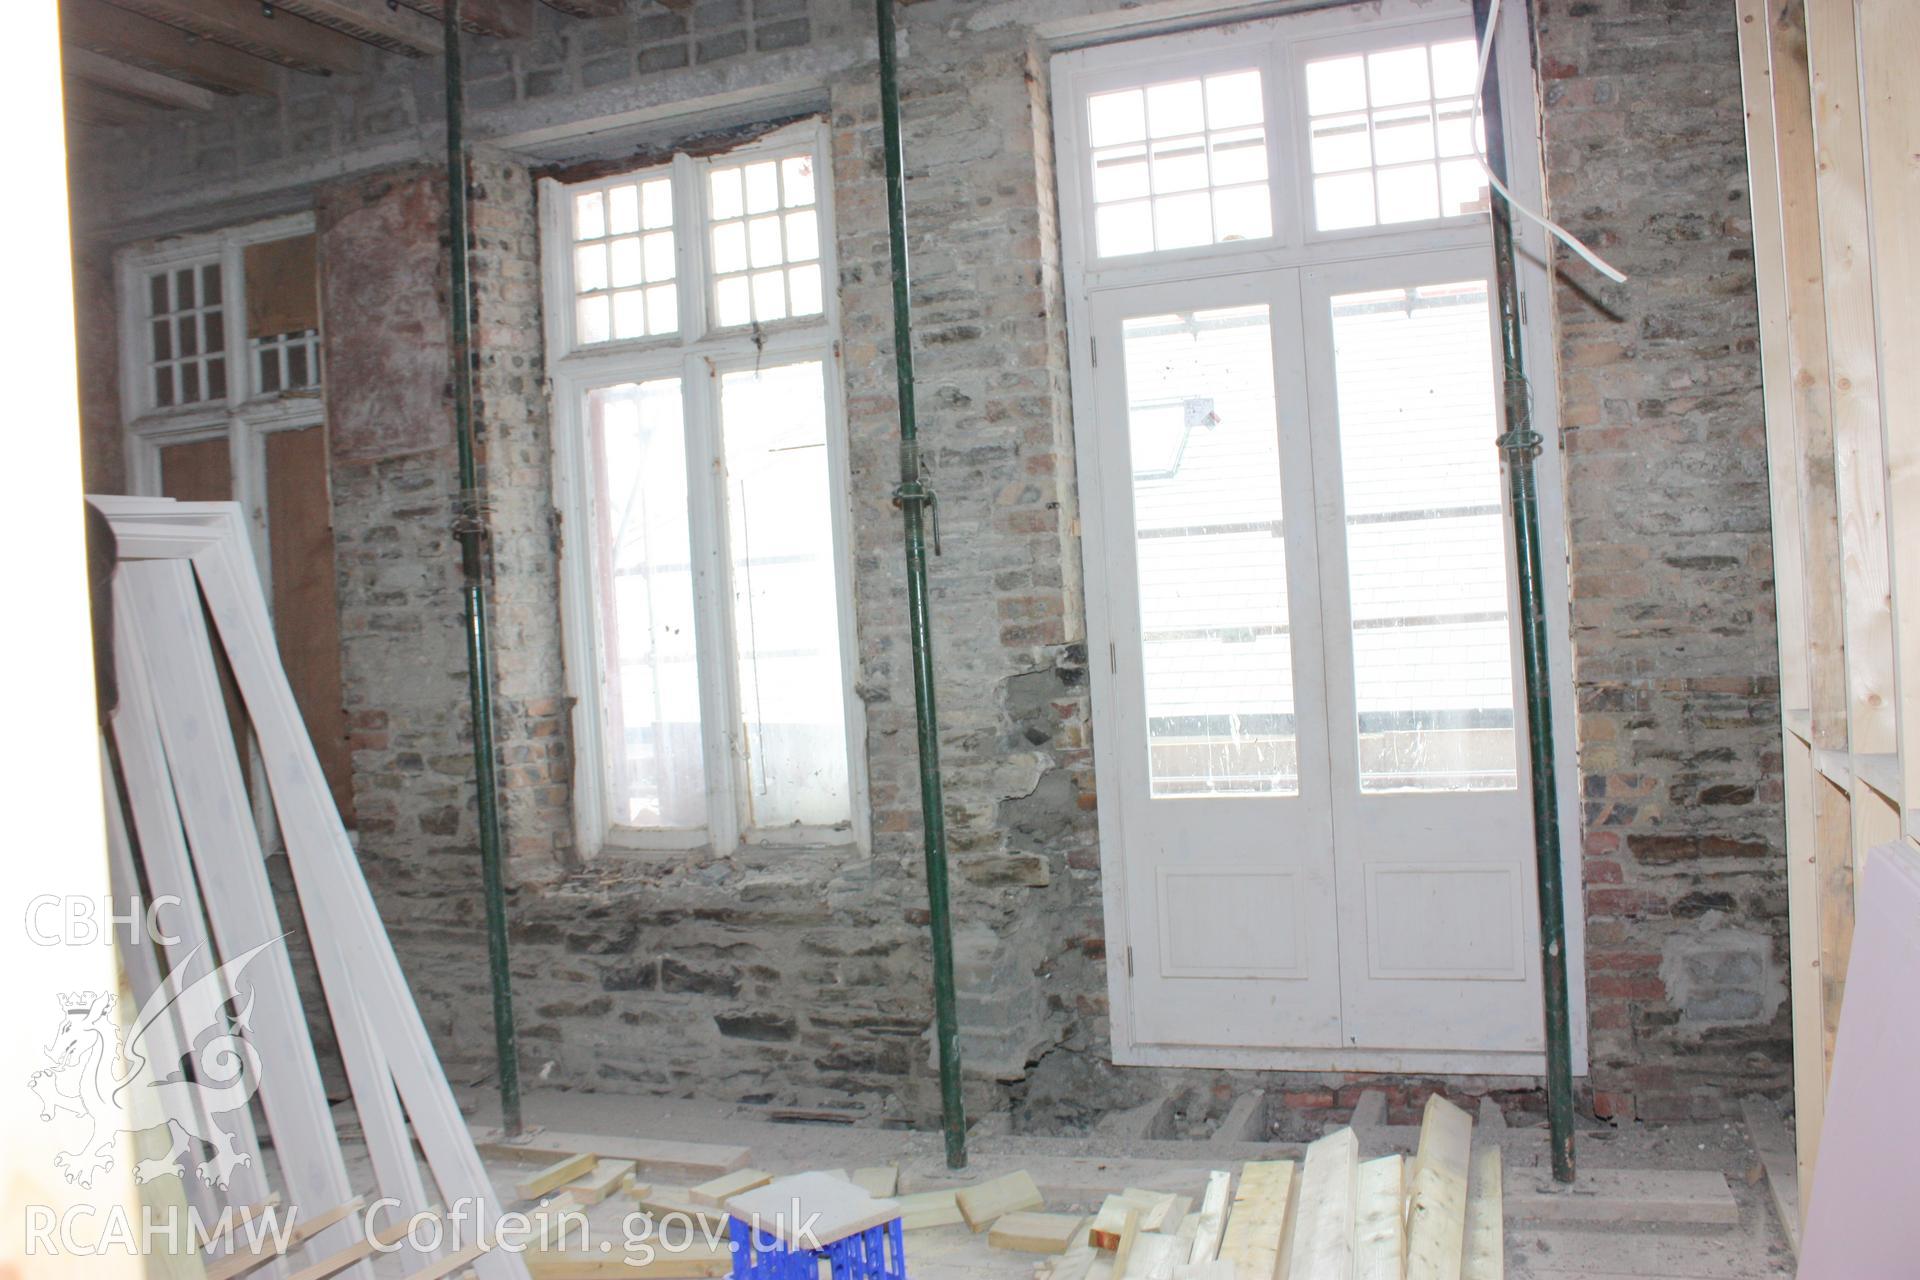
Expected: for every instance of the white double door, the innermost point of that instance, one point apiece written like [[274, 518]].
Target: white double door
[[1309, 710]]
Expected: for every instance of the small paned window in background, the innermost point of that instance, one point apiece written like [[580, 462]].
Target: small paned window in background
[[286, 362], [1180, 164], [623, 262], [765, 241], [187, 329], [1392, 137]]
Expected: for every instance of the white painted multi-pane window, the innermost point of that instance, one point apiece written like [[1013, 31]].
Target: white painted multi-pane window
[[624, 262], [221, 400], [205, 356], [701, 458], [764, 230], [1246, 156], [1393, 136], [287, 361], [186, 317], [1180, 163]]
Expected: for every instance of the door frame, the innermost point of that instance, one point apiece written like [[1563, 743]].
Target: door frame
[[242, 418], [1071, 73], [239, 418], [1215, 822]]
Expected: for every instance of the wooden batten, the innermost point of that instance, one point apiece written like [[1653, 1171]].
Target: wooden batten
[[1129, 1237], [607, 1177], [717, 1191], [1031, 1232], [118, 33], [1380, 1219], [1324, 1227], [665, 1159], [507, 19], [248, 26], [1437, 1193], [1853, 378], [137, 82], [928, 1209], [1831, 131], [1212, 1223], [1887, 32], [981, 1205], [391, 27], [878, 1180], [556, 1175], [1256, 1236]]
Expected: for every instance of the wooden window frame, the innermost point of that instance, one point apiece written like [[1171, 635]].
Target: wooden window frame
[[242, 418], [1279, 46], [696, 354]]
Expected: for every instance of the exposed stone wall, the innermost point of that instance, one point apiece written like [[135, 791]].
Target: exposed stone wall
[[568, 56], [383, 262], [385, 294], [993, 419], [1672, 574], [516, 457], [801, 976]]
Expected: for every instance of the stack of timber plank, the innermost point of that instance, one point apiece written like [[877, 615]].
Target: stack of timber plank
[[579, 1171], [1331, 1216]]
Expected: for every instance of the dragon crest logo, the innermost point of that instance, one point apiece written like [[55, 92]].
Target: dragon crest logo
[[184, 1060]]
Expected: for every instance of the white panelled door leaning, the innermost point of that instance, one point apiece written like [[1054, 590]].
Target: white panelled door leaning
[[1314, 814]]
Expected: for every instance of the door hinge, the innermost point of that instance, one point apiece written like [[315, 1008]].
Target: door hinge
[[1093, 347], [1113, 659], [1129, 962]]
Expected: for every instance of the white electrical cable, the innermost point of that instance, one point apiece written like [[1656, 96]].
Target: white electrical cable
[[1565, 236]]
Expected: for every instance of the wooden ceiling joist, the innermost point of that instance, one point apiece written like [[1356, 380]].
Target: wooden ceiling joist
[[128, 37], [395, 29], [285, 38], [508, 19], [92, 105], [136, 82], [588, 8]]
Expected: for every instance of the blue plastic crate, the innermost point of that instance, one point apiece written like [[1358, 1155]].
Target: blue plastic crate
[[878, 1253]]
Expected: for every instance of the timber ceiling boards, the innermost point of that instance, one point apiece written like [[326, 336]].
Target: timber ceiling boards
[[128, 59]]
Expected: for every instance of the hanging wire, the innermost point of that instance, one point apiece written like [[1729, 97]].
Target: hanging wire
[[1565, 236]]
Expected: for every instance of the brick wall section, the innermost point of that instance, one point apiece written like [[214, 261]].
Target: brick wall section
[[385, 295], [389, 417], [382, 261], [995, 431], [511, 408], [1674, 652]]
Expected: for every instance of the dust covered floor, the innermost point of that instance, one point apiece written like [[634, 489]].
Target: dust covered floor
[[1076, 1173]]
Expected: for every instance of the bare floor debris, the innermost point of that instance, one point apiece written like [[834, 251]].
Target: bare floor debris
[[1670, 1201]]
